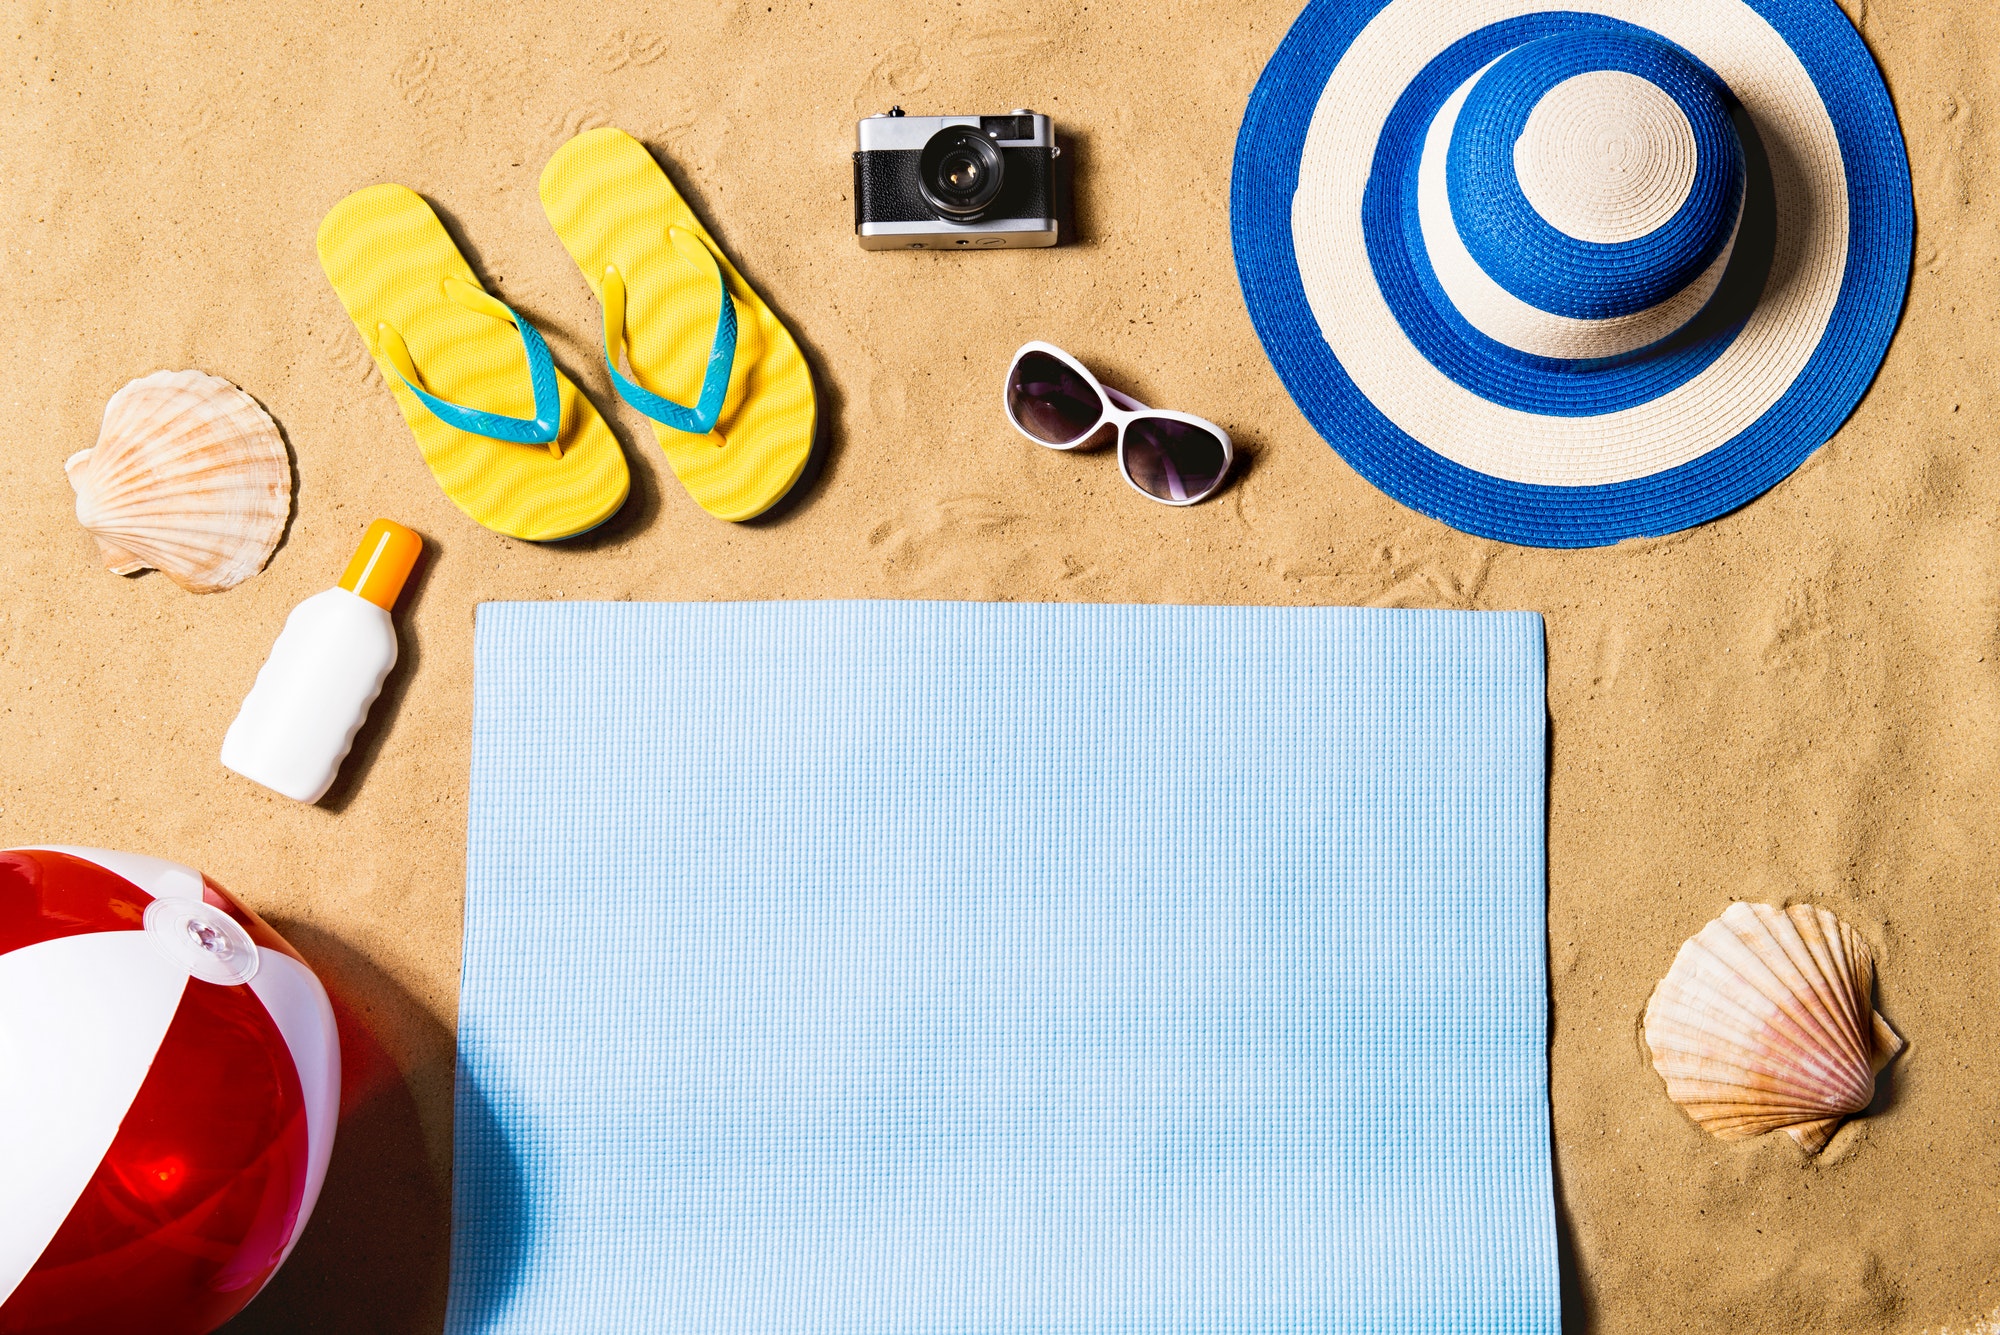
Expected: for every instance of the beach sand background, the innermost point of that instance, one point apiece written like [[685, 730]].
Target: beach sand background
[[1796, 702]]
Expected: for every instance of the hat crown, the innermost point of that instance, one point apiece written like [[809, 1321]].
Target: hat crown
[[1595, 176], [1607, 157]]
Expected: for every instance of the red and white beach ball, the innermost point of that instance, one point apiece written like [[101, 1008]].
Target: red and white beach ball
[[169, 1081]]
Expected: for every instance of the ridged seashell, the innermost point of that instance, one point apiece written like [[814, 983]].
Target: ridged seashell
[[189, 477], [1765, 1023]]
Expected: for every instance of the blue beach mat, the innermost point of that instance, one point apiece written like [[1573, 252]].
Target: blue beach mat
[[1003, 969]]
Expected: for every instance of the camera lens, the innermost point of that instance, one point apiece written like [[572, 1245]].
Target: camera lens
[[960, 173]]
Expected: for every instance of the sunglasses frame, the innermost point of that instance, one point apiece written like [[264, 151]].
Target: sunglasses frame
[[1120, 410]]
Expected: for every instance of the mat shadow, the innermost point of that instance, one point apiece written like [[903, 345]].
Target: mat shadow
[[1578, 1309]]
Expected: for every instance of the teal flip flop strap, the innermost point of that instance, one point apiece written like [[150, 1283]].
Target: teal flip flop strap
[[541, 429], [700, 419]]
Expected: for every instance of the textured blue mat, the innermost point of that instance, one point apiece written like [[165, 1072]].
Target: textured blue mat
[[999, 969]]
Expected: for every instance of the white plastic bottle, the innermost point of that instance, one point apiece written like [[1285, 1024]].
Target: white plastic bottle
[[326, 669]]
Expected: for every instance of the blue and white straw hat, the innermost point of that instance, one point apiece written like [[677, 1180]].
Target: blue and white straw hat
[[1566, 276]]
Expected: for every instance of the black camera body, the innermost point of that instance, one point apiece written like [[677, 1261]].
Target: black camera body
[[955, 182]]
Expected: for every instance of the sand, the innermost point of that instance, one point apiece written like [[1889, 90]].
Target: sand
[[1795, 702]]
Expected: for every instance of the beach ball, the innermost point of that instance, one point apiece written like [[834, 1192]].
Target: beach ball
[[169, 1081]]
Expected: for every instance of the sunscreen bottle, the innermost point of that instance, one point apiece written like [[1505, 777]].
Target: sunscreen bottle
[[326, 669]]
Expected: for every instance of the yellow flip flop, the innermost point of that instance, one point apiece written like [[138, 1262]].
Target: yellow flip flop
[[532, 459], [726, 387]]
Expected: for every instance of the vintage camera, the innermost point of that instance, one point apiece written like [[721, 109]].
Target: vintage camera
[[955, 182]]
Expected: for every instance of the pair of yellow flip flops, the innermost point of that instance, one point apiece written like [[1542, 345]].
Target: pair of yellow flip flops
[[506, 434]]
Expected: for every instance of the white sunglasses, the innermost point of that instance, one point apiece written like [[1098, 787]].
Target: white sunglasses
[[1168, 457]]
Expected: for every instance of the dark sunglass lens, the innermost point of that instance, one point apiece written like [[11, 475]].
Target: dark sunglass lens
[[1052, 403], [1174, 461]]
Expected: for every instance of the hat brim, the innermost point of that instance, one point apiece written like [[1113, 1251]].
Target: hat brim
[[1818, 388]]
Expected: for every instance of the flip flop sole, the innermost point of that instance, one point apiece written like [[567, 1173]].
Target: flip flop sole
[[611, 204], [387, 256]]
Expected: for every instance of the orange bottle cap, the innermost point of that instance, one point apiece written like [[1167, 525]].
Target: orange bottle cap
[[387, 554]]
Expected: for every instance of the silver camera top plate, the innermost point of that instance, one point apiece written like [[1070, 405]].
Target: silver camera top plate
[[889, 131]]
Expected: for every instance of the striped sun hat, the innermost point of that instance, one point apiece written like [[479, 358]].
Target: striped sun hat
[[1566, 276]]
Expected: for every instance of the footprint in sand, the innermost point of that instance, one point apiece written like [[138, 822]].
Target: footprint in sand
[[624, 48], [888, 395], [340, 343], [1796, 621], [1608, 658], [200, 132], [561, 127], [899, 72], [959, 543], [1429, 581], [1017, 43], [415, 75]]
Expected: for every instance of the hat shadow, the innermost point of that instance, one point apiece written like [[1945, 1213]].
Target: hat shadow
[[1755, 266]]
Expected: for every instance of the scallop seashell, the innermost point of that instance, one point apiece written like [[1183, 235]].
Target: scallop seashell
[[189, 477], [1764, 1023]]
